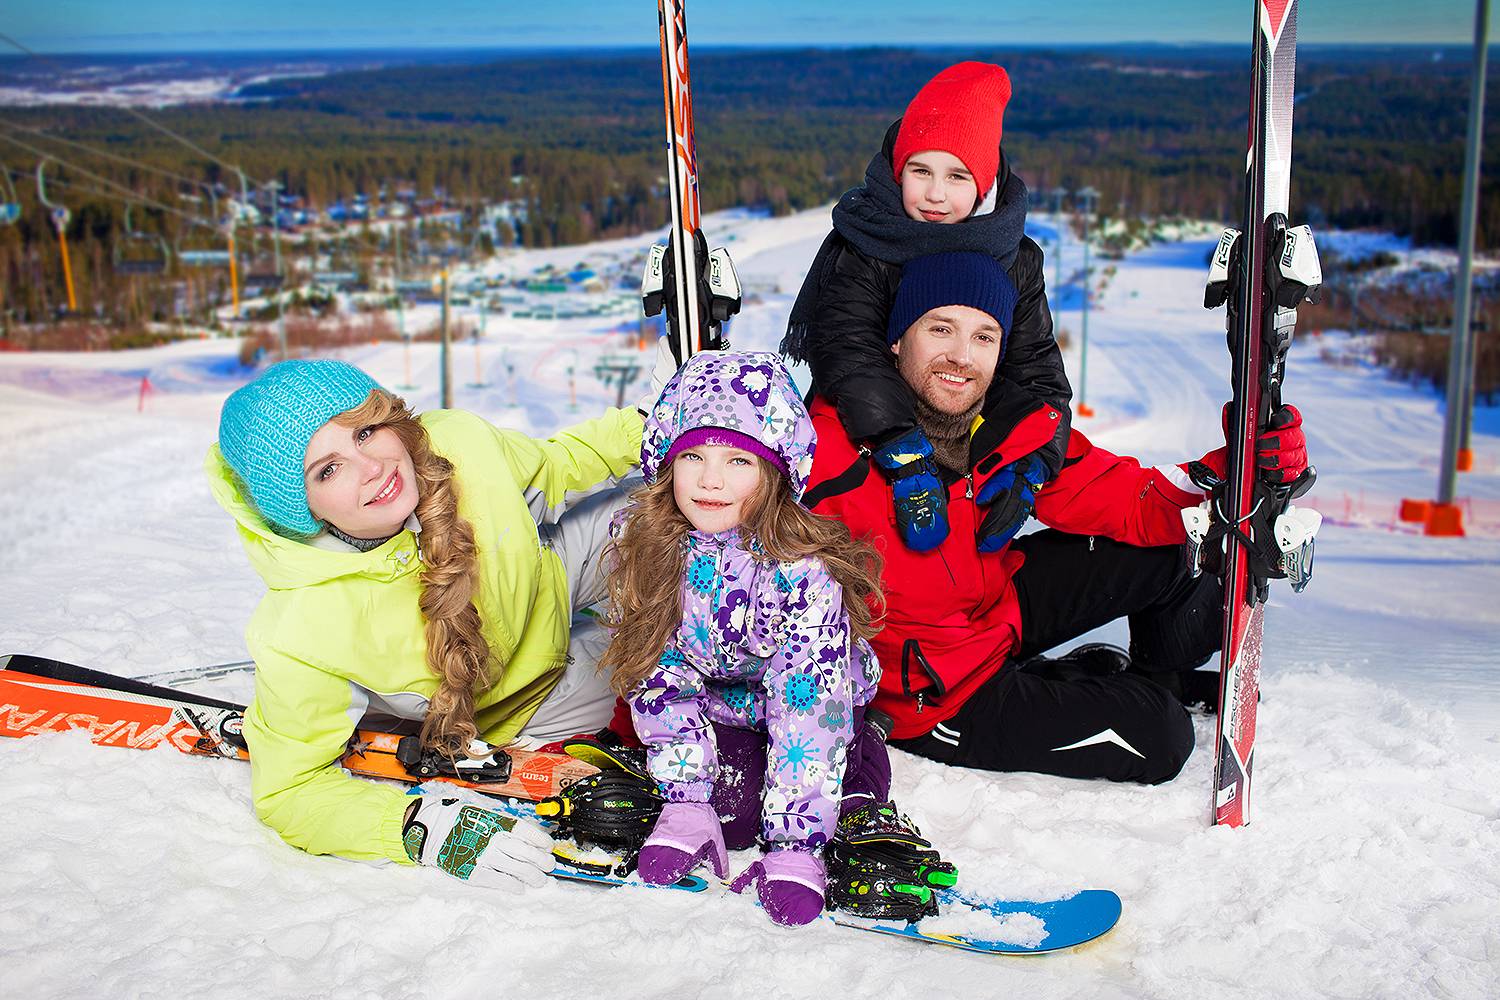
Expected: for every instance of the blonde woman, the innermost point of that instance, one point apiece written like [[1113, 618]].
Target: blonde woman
[[409, 574]]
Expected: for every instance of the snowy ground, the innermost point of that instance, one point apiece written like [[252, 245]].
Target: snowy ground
[[1372, 867]]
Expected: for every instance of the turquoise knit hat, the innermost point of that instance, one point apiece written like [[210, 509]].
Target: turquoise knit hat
[[265, 426]]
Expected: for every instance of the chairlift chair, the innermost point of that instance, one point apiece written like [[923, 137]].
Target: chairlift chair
[[137, 252]]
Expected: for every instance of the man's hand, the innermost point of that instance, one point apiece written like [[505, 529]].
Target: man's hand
[[1008, 497], [1281, 450], [921, 499]]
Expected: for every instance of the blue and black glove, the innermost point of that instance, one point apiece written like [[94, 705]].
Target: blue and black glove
[[920, 497], [1008, 497]]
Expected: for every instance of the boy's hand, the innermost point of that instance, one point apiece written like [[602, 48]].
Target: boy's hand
[[1008, 498], [920, 498]]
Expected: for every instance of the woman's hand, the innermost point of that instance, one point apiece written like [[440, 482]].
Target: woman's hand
[[476, 844]]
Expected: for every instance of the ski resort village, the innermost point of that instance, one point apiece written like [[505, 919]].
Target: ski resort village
[[917, 505]]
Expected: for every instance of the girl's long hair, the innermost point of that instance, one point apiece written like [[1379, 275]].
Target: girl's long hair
[[456, 649], [646, 565]]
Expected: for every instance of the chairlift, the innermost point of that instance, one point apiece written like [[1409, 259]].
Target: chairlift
[[205, 251], [60, 218], [138, 252], [10, 208]]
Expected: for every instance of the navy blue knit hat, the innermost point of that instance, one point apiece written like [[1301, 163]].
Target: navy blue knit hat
[[952, 279], [265, 426]]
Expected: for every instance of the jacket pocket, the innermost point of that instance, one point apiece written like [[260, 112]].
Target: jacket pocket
[[911, 653]]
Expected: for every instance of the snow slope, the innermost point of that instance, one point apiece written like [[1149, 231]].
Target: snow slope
[[1372, 867]]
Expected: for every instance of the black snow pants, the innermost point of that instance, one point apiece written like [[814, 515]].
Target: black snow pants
[[1123, 726]]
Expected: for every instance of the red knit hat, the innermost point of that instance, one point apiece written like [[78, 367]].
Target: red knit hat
[[958, 111]]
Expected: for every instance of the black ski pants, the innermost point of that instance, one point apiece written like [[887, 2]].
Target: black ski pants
[[1123, 726]]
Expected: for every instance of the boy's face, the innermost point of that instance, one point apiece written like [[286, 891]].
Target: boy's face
[[937, 187], [948, 357]]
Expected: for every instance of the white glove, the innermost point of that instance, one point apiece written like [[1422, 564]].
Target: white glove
[[476, 844], [661, 373]]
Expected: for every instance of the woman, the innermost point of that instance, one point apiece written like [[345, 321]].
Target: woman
[[409, 575]]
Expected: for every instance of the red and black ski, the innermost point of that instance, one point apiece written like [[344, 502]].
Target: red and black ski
[[1263, 272], [698, 290], [39, 696]]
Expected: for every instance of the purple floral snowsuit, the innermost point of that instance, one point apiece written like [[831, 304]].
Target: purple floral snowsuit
[[762, 645]]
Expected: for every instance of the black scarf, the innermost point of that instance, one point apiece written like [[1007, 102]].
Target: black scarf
[[871, 219], [362, 544]]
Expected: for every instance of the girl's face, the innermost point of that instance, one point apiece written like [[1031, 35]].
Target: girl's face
[[937, 187], [361, 479], [712, 483]]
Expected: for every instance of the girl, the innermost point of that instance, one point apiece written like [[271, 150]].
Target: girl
[[940, 184], [408, 577], [740, 625]]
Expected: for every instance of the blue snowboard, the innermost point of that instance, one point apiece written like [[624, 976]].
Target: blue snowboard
[[1003, 926], [988, 926]]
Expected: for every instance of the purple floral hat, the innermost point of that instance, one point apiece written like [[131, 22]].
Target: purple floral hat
[[741, 399]]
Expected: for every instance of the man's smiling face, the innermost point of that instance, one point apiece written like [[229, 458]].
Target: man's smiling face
[[948, 357]]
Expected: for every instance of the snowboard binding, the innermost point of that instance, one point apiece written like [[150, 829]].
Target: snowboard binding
[[881, 867], [613, 810]]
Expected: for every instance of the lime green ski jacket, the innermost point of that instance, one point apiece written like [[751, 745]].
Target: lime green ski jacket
[[340, 631]]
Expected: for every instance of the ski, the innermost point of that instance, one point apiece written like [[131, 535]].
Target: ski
[[39, 696], [1263, 271], [698, 289]]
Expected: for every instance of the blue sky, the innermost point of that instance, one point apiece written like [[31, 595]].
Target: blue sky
[[185, 25]]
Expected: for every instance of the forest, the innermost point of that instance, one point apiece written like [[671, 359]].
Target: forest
[[576, 139]]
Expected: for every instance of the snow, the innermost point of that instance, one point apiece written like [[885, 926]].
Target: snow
[[1371, 867]]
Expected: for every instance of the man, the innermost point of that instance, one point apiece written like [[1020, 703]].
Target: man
[[964, 621]]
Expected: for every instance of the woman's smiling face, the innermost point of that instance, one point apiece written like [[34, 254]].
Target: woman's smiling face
[[360, 479]]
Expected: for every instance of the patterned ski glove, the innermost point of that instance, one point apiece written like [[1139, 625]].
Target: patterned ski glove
[[685, 834], [662, 370], [475, 844], [920, 498], [1008, 497], [791, 886]]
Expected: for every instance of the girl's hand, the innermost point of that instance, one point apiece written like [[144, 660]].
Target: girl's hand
[[685, 834], [791, 886]]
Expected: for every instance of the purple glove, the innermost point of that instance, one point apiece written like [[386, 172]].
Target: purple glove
[[790, 885], [685, 834]]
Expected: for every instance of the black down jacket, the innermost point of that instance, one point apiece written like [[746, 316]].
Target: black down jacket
[[843, 338]]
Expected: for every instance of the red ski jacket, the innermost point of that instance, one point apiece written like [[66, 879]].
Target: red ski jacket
[[951, 617]]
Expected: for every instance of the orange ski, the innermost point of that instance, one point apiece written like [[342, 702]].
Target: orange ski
[[38, 696]]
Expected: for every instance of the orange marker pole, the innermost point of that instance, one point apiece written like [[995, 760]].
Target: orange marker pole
[[62, 242], [234, 278]]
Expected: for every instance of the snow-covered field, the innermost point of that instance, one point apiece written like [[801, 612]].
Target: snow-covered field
[[1372, 867]]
